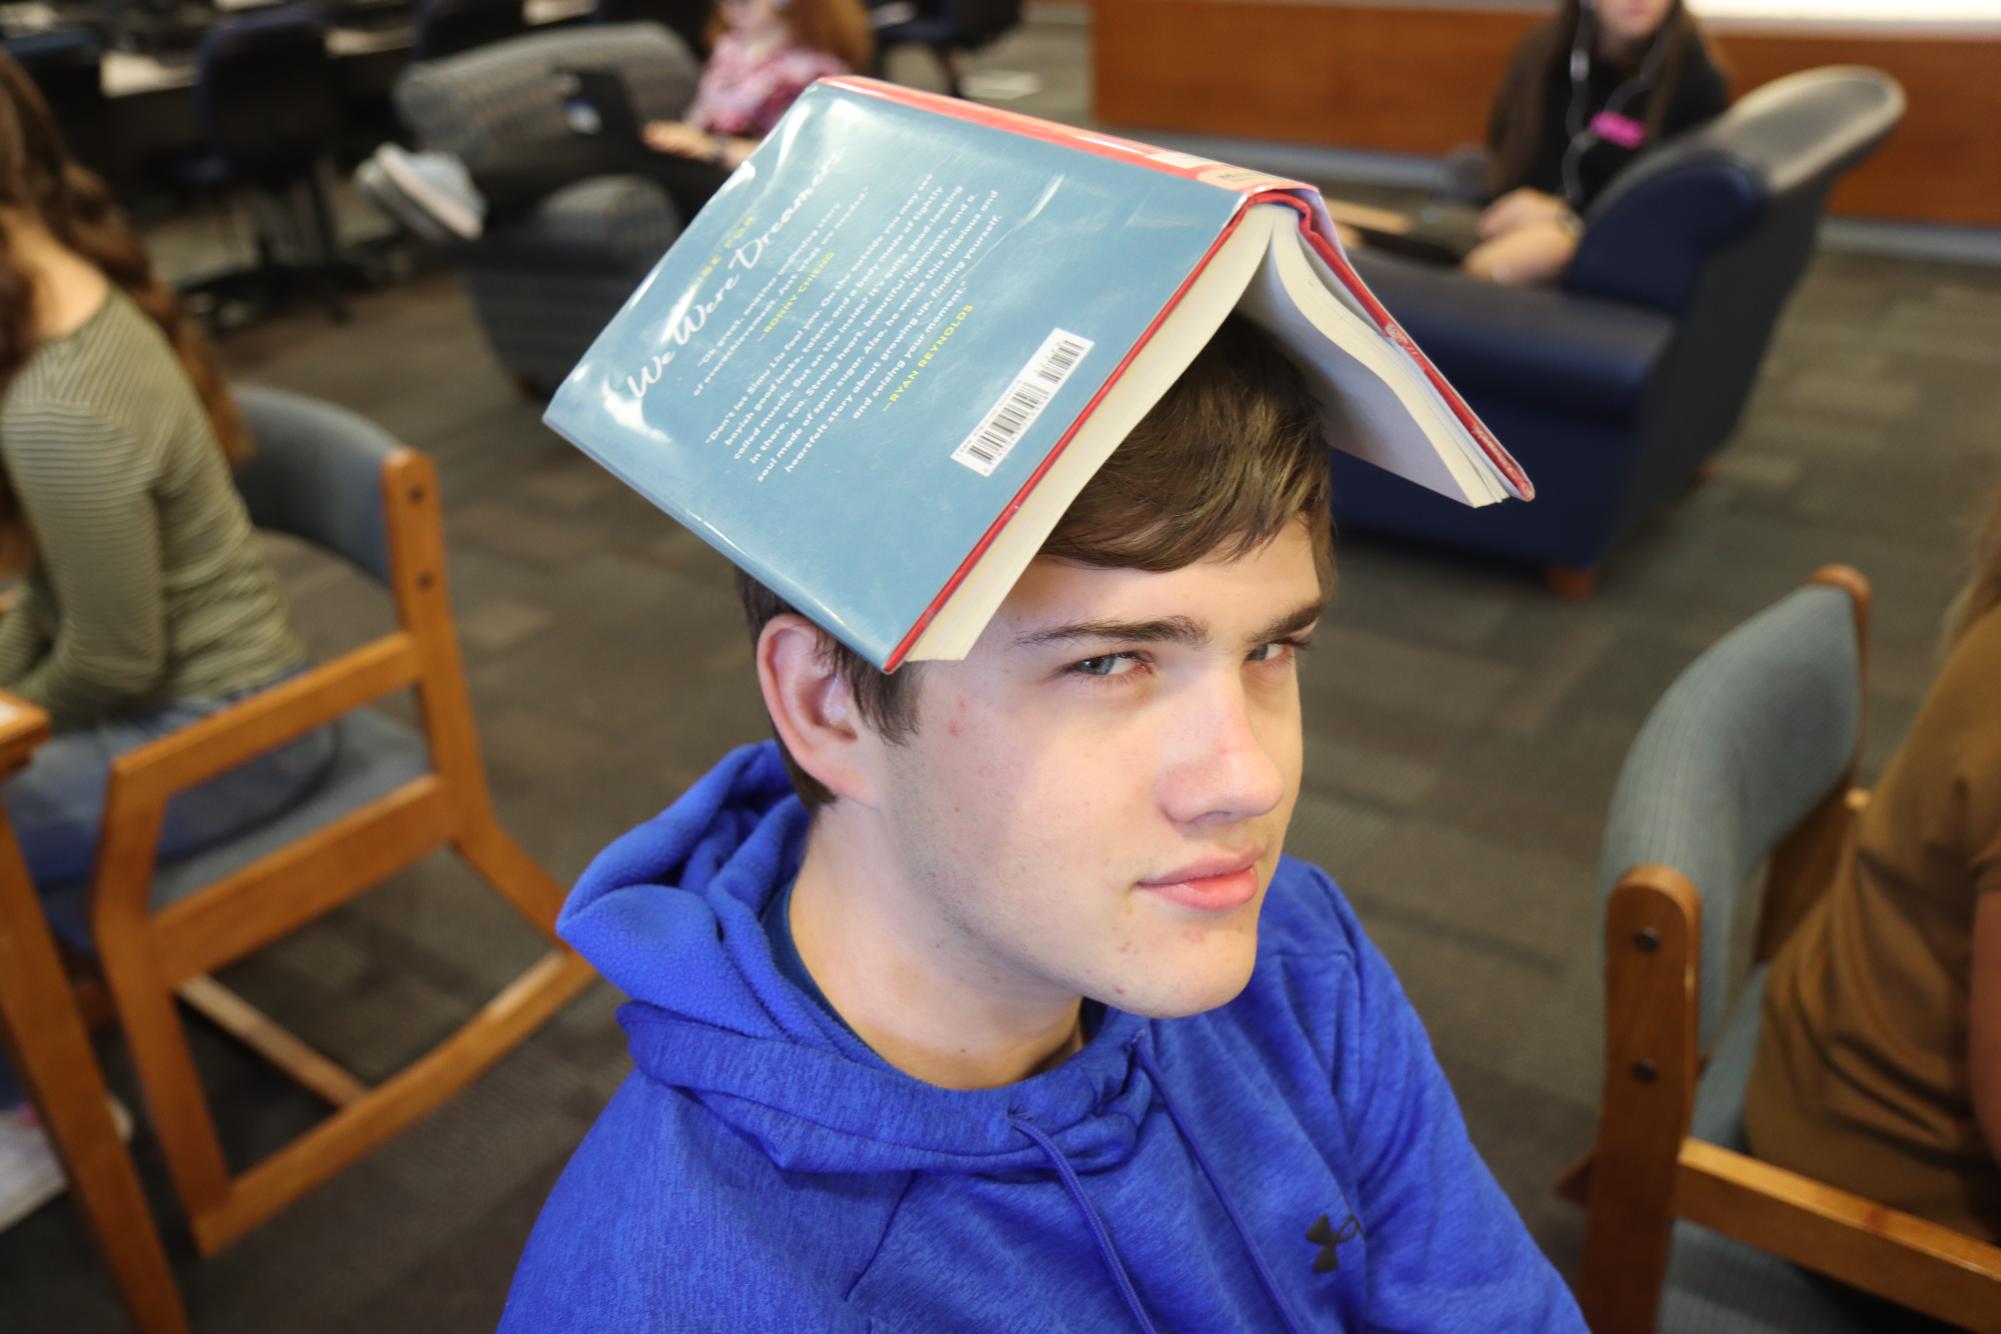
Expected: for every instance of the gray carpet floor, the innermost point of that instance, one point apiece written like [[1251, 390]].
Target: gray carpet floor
[[1464, 729]]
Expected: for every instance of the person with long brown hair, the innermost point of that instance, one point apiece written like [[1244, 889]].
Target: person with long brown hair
[[1879, 1057], [764, 53], [1586, 94], [147, 602]]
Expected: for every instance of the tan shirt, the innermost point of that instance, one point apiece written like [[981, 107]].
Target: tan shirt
[[1861, 1075]]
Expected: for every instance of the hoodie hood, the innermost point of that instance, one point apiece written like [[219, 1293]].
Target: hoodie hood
[[669, 914], [1197, 1173]]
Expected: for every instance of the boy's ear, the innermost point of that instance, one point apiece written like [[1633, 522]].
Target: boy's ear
[[811, 707]]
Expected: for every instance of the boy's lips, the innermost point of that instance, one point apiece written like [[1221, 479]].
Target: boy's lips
[[1214, 884]]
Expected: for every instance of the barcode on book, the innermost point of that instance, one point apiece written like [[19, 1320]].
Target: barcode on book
[[983, 450]]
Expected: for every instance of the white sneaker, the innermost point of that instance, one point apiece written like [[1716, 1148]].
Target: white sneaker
[[374, 183], [30, 1175], [437, 183]]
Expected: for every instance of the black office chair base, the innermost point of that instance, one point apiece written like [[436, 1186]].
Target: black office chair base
[[324, 273], [238, 298]]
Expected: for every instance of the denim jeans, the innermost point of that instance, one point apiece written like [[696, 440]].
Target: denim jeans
[[56, 804]]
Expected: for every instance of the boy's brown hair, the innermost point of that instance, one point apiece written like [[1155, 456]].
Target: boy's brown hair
[[1229, 456]]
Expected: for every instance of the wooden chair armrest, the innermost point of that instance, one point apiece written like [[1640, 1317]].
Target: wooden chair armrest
[[144, 778], [23, 727], [1911, 1261]]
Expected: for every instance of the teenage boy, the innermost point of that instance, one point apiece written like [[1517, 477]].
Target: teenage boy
[[984, 1000]]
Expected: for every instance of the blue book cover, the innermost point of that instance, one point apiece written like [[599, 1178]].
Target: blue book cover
[[854, 364]]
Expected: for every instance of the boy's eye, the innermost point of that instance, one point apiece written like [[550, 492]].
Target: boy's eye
[[1106, 664], [1278, 650]]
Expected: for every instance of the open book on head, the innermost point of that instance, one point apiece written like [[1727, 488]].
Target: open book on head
[[878, 367]]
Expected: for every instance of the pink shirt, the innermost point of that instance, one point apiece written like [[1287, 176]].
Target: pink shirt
[[744, 93]]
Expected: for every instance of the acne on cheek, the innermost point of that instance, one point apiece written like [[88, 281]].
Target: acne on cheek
[[954, 725]]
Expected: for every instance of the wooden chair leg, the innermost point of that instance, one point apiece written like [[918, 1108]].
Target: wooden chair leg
[[52, 1053], [175, 1103], [1572, 584], [1652, 940]]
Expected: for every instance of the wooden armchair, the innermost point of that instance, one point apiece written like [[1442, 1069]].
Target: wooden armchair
[[391, 796], [1749, 758]]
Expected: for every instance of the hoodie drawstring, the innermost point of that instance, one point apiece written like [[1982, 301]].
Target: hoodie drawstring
[[1097, 1225], [1272, 1289]]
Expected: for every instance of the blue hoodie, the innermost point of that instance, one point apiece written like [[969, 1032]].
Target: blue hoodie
[[1290, 1161]]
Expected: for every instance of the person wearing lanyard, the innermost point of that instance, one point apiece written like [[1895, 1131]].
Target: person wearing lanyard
[[1587, 93]]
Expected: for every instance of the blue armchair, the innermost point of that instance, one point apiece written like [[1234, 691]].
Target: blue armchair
[[1615, 385]]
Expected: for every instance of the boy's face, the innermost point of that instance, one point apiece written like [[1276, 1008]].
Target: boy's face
[[1094, 801]]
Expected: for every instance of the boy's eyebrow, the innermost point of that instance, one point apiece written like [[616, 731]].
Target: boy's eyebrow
[[1184, 630], [1292, 623], [1166, 630]]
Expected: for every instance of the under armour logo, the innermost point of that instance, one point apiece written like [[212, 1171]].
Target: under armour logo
[[1329, 1239]]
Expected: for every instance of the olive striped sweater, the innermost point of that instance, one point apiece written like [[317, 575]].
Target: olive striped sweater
[[149, 582]]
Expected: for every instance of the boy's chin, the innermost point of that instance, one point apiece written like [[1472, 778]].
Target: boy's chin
[[1181, 996]]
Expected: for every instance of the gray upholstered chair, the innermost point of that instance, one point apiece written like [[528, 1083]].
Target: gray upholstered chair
[[391, 795], [1745, 762], [543, 284]]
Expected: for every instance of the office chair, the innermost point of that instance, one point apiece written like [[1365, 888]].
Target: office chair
[[270, 113], [446, 27]]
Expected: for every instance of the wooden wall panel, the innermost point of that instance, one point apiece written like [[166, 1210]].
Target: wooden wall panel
[[1402, 80], [1421, 79]]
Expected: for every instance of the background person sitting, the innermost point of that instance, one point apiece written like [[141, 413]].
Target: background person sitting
[[1586, 94], [149, 602], [765, 53], [1879, 1057]]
